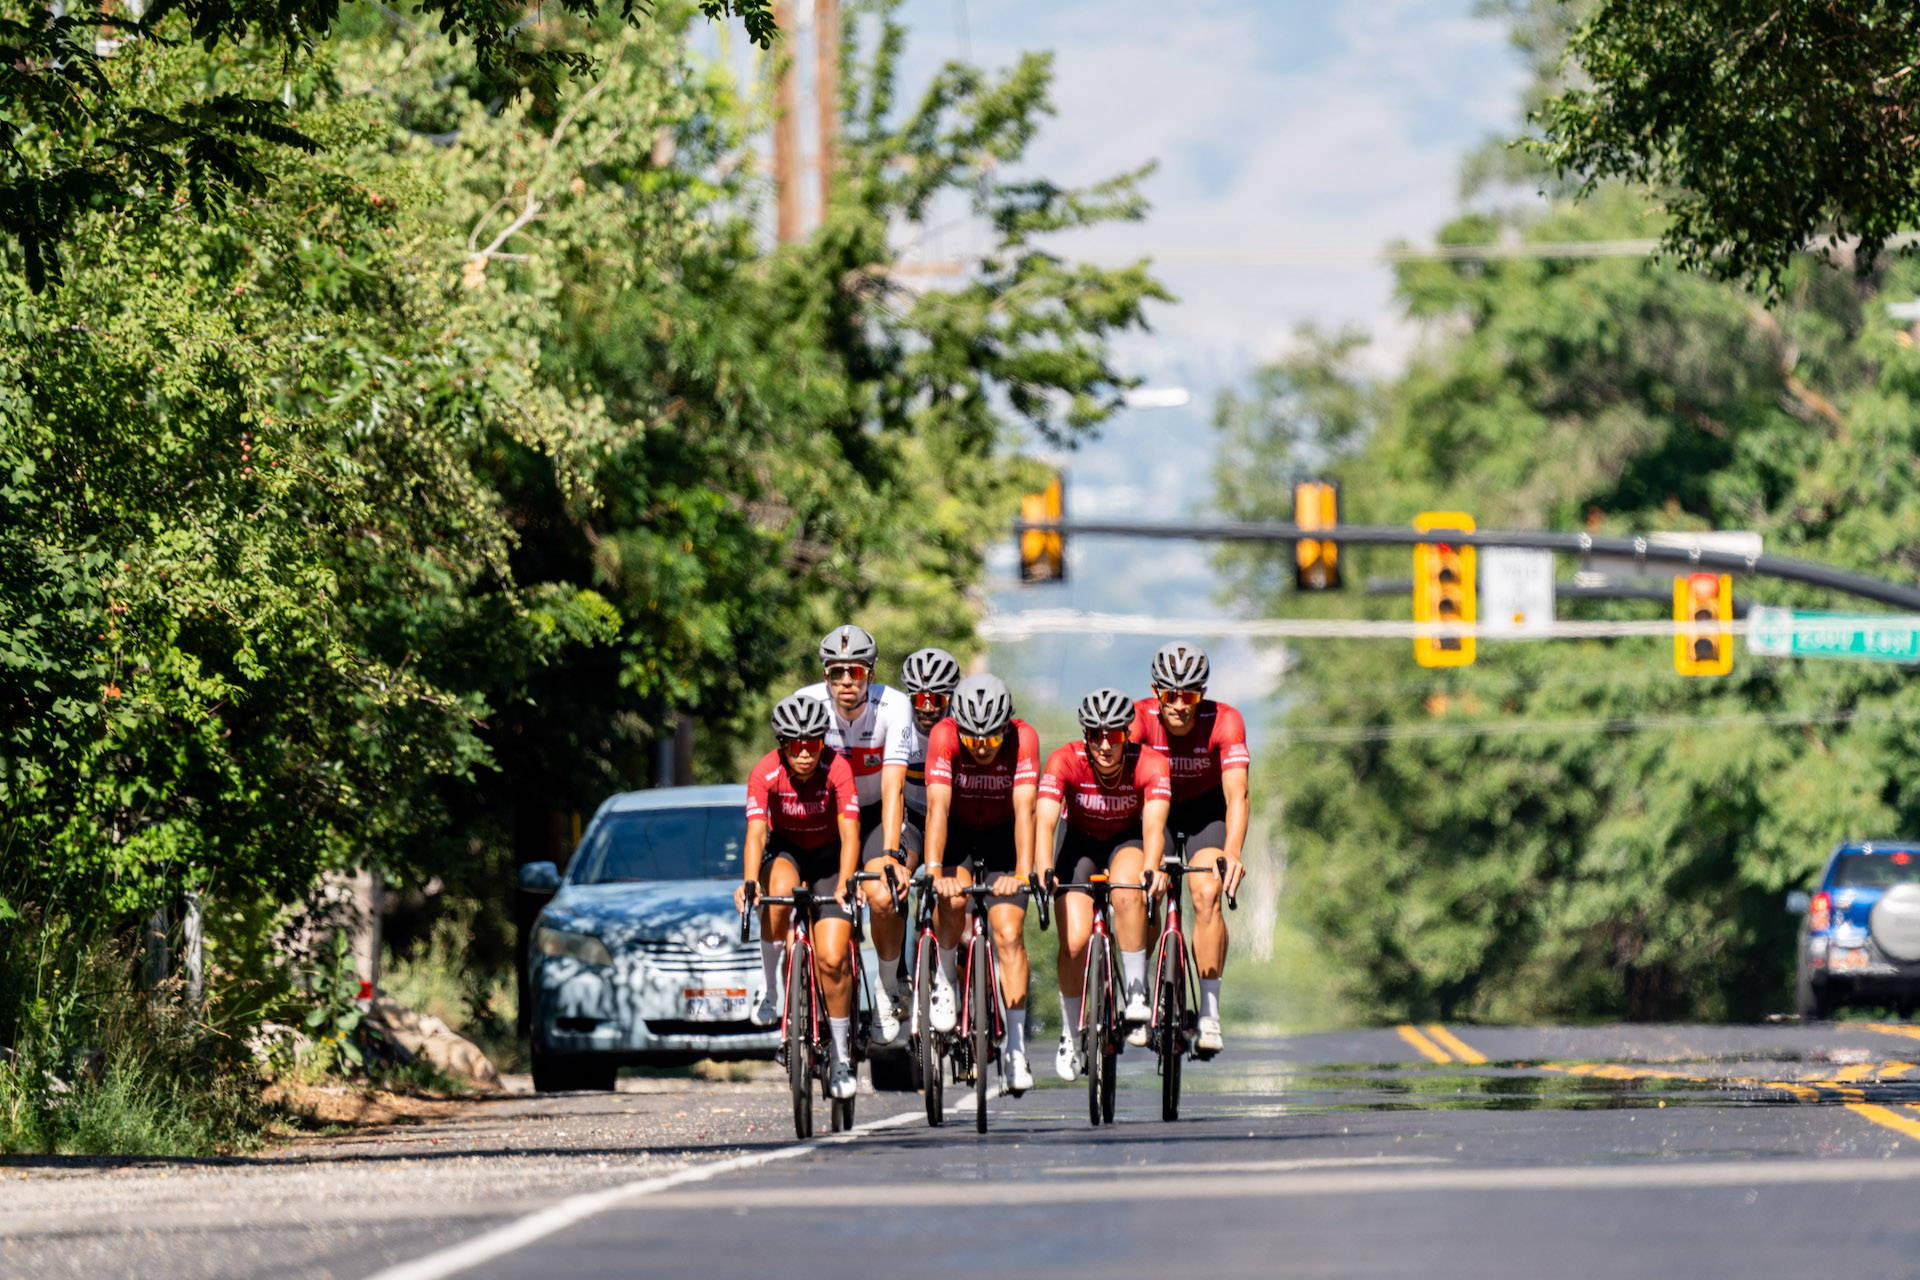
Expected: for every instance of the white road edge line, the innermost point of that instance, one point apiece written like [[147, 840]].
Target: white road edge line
[[541, 1223]]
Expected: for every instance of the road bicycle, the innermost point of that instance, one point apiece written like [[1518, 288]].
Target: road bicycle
[[1170, 1033], [804, 1033], [1101, 1032]]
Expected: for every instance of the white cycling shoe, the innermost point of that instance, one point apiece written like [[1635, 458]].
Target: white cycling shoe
[[942, 1009], [767, 1012], [886, 1021], [1066, 1061], [1019, 1074], [1209, 1039], [1136, 1018], [840, 1082]]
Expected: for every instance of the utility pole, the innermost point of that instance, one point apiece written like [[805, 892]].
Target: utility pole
[[826, 92], [786, 142]]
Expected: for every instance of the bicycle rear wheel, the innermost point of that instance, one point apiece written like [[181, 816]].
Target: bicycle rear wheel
[[1093, 1037], [1172, 1016], [800, 1056], [932, 1082], [980, 1014]]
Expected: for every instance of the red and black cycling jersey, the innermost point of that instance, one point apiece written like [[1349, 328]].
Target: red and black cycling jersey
[[1098, 810], [983, 793], [1216, 744], [806, 813]]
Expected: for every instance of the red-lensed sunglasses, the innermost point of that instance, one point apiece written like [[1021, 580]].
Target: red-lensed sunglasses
[[989, 742], [1105, 737], [847, 671], [929, 701], [1178, 697], [811, 746]]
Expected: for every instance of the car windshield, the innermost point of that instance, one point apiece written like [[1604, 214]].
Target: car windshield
[[663, 844], [1875, 870]]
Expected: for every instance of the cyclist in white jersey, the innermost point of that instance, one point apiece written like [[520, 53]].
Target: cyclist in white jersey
[[872, 726]]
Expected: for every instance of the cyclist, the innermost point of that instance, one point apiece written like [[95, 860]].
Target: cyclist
[[1114, 795], [872, 726], [983, 776], [803, 826], [1206, 745], [929, 677]]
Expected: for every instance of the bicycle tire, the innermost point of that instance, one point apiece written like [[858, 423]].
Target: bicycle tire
[[1172, 1018], [800, 1055], [980, 968], [840, 1114], [1093, 1036], [1109, 1081], [932, 1082]]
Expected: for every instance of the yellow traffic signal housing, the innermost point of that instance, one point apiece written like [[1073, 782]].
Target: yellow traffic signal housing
[[1702, 605], [1043, 552], [1316, 561], [1444, 589]]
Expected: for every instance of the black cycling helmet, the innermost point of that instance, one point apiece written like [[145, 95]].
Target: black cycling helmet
[[929, 671], [799, 716], [848, 643], [1181, 665], [981, 706], [1106, 709]]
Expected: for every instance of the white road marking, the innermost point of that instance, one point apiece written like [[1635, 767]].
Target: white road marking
[[542, 1223], [1240, 1166]]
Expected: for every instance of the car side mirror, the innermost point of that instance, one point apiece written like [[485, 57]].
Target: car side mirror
[[1799, 902], [540, 877]]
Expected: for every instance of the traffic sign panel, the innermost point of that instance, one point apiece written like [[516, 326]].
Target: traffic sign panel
[[1516, 591], [1806, 633]]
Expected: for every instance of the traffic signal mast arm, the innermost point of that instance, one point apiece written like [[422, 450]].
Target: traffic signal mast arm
[[1579, 544]]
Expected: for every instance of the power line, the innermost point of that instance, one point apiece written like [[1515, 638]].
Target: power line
[[1610, 724], [1037, 622]]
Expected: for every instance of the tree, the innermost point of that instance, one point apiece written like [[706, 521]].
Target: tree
[[1763, 127]]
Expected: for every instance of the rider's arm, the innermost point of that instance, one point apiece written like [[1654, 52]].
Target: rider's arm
[[934, 838], [849, 853], [1025, 801], [1233, 785], [1046, 817], [1153, 832], [893, 803], [750, 856]]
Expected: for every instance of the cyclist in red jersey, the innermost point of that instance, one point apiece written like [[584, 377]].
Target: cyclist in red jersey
[[983, 776], [1206, 744], [803, 825], [1114, 796]]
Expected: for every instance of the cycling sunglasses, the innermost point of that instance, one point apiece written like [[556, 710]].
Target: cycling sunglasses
[[976, 742], [1178, 697], [812, 746], [847, 671], [1105, 737], [929, 701]]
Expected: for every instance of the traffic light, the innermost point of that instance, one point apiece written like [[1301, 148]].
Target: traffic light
[[1444, 589], [1316, 562], [1043, 552], [1702, 602]]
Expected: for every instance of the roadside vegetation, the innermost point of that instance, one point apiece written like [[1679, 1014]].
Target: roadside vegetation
[[389, 508]]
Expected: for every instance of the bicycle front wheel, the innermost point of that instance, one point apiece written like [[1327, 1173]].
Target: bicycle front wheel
[[800, 1052], [1172, 1018], [1097, 1012], [980, 1000], [932, 1082]]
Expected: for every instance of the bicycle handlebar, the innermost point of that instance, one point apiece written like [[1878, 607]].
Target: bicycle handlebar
[[1174, 867]]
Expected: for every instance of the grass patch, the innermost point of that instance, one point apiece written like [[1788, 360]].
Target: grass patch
[[438, 978]]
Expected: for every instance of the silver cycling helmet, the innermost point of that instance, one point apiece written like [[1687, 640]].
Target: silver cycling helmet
[[929, 671], [1181, 665], [982, 706], [799, 716], [848, 643], [1106, 709]]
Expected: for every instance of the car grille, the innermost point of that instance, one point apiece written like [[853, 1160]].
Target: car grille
[[678, 957]]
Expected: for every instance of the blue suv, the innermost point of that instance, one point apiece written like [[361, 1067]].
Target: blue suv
[[1860, 938]]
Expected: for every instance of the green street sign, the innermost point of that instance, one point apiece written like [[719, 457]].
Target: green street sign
[[1805, 633]]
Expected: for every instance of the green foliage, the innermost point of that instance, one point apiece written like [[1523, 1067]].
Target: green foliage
[[333, 1023], [1763, 126]]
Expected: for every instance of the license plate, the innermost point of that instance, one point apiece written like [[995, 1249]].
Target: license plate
[[715, 1004], [1850, 958]]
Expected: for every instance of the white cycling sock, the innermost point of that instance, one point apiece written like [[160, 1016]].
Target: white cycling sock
[[890, 977], [1134, 965], [1070, 1015], [949, 958], [1209, 997], [1016, 1031], [772, 960], [837, 1028]]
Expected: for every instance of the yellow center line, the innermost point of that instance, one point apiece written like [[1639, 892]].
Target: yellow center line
[[1894, 1070], [1459, 1047], [1890, 1119], [1859, 1071], [1428, 1049], [1893, 1029]]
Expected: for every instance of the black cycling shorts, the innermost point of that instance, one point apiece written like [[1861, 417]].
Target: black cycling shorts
[[1082, 855], [985, 852], [1201, 821], [818, 868], [873, 843]]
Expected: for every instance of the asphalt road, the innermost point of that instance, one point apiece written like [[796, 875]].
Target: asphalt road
[[1611, 1152]]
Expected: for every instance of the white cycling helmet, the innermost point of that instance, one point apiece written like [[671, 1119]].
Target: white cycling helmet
[[848, 643], [929, 671], [799, 716], [1181, 665], [1106, 709], [982, 706]]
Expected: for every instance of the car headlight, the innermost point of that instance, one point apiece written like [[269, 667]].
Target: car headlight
[[584, 947]]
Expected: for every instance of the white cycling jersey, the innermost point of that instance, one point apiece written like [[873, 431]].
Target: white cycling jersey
[[882, 734]]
